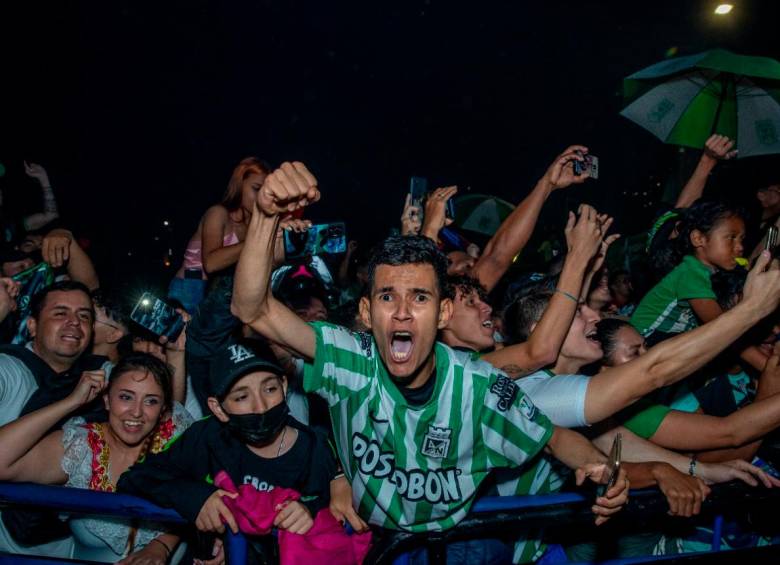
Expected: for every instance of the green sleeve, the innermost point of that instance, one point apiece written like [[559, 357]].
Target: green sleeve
[[341, 364], [513, 429], [646, 420], [694, 281]]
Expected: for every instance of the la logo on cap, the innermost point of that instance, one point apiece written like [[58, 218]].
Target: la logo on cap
[[239, 353]]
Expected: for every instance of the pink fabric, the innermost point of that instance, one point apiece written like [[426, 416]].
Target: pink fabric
[[253, 510], [193, 254], [326, 541]]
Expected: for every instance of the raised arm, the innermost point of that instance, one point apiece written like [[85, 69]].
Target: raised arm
[[24, 455], [672, 360], [636, 449], [436, 212], [217, 255], [50, 212], [516, 230], [545, 342], [289, 187], [716, 148], [61, 248]]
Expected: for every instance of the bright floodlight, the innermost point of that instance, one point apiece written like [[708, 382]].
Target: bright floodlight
[[723, 9]]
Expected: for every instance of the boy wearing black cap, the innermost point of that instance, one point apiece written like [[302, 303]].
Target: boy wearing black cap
[[251, 437]]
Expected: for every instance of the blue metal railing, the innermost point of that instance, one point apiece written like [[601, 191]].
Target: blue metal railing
[[508, 517], [490, 516], [94, 503]]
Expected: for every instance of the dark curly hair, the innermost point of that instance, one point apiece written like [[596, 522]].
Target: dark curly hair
[[400, 250], [466, 284]]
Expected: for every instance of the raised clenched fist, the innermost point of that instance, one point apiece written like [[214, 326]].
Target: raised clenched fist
[[288, 188]]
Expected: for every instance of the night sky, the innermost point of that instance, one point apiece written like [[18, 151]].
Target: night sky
[[140, 110]]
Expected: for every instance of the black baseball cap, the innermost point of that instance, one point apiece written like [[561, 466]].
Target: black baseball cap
[[236, 360]]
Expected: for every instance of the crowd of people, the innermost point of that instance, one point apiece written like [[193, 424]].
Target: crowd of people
[[319, 402]]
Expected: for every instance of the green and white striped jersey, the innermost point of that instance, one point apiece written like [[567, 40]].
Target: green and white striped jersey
[[418, 468]]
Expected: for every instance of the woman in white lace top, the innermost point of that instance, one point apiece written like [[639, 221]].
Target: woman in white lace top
[[142, 417]]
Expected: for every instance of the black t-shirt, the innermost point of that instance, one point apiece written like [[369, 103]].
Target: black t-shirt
[[289, 468], [420, 395], [181, 476]]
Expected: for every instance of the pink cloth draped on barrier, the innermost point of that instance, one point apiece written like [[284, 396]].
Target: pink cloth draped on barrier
[[326, 541]]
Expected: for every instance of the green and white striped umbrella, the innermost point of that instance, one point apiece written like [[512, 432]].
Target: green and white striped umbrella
[[481, 213], [684, 100]]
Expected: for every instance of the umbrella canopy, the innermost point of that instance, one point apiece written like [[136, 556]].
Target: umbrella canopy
[[684, 100], [481, 213]]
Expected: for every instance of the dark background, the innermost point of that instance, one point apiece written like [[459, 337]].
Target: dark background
[[139, 111]]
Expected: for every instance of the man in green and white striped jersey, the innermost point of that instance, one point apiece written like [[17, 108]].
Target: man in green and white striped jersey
[[418, 426]]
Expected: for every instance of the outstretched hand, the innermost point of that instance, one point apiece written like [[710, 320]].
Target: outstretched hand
[[561, 173], [611, 501], [288, 188], [719, 147], [683, 492], [583, 232], [436, 211], [735, 470], [37, 172], [762, 286], [411, 220]]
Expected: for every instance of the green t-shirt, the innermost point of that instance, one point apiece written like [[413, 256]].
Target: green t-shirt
[[644, 418], [666, 308], [419, 468]]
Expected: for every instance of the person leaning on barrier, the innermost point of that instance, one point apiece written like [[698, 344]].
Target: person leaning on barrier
[[44, 371], [572, 399], [404, 408], [141, 418], [253, 439]]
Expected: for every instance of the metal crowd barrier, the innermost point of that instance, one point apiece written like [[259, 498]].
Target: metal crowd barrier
[[93, 503], [508, 517], [491, 517]]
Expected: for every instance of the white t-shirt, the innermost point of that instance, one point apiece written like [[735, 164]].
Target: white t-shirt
[[560, 397], [17, 385]]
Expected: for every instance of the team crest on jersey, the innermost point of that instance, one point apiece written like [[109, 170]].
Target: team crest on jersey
[[436, 442], [527, 408], [239, 353]]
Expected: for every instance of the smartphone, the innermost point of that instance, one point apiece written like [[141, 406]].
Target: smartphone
[[157, 316], [450, 209], [318, 239], [418, 188], [771, 238], [613, 465], [590, 165]]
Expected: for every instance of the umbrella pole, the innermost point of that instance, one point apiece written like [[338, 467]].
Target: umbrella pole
[[728, 80]]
